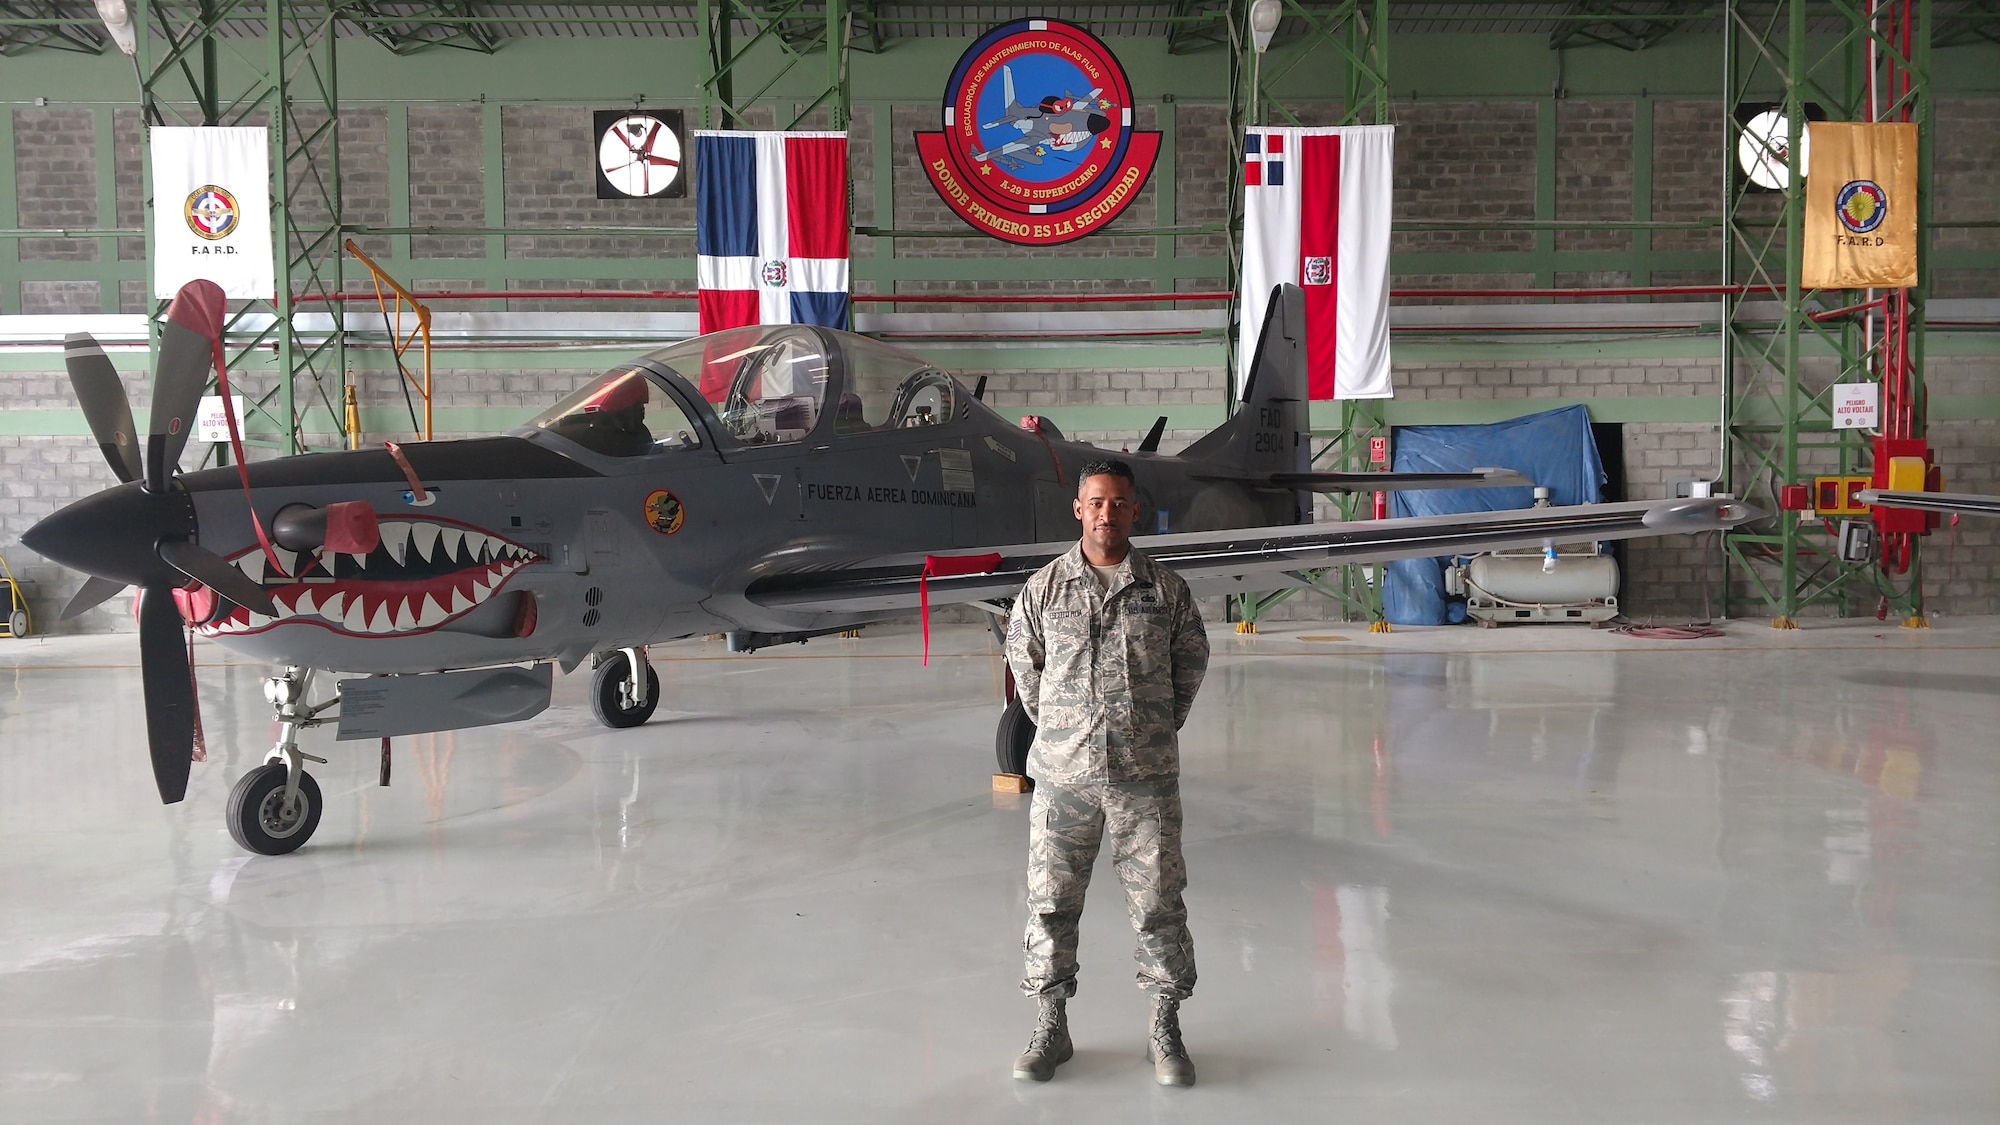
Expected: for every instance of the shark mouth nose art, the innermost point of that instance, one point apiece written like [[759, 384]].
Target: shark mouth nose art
[[423, 574]]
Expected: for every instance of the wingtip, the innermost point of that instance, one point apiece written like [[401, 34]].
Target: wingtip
[[1701, 513]]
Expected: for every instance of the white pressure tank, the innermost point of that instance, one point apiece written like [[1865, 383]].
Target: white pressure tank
[[1576, 579]]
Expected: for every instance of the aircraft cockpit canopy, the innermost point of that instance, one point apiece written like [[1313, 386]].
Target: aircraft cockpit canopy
[[622, 414], [767, 384], [890, 389]]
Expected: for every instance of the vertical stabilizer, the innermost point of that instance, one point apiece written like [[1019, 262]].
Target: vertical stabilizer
[[1268, 433]]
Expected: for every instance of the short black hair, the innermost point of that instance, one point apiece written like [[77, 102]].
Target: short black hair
[[1108, 467]]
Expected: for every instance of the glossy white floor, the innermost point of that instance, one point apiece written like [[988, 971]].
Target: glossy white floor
[[1443, 875]]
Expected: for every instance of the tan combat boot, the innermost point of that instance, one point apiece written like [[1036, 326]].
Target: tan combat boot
[[1049, 1047], [1171, 1065]]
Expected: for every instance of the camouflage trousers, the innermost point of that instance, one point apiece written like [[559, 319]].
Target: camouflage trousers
[[1066, 825]]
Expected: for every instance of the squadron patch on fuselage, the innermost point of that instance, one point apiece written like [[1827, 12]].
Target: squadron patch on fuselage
[[664, 512]]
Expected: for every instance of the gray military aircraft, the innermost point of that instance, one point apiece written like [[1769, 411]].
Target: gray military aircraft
[[772, 483], [1059, 124]]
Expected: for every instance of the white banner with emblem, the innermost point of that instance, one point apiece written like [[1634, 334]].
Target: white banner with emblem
[[212, 210]]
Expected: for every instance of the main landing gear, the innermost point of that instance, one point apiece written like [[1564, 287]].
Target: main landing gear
[[619, 695], [1014, 738], [1016, 735], [274, 808]]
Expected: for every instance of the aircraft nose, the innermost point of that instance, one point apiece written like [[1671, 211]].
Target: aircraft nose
[[114, 534]]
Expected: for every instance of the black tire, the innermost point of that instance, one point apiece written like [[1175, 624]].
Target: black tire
[[608, 699], [17, 623], [1015, 737], [256, 819]]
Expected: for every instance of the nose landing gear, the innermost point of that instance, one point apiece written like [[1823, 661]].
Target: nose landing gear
[[275, 808], [619, 695]]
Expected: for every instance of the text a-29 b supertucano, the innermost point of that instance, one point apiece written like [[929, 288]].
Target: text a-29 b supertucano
[[771, 483]]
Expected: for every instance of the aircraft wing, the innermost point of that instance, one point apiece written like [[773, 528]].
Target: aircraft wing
[[1961, 503], [1249, 558], [1396, 482]]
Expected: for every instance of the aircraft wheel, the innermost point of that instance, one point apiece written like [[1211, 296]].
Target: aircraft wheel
[[1016, 735], [611, 699], [257, 816]]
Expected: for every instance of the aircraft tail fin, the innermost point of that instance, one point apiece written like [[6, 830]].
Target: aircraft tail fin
[[1151, 444], [1269, 433]]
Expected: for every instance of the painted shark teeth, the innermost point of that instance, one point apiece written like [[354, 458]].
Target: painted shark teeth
[[424, 537], [396, 540], [381, 604]]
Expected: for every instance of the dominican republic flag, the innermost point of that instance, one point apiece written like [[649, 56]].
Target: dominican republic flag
[[1316, 214], [771, 228]]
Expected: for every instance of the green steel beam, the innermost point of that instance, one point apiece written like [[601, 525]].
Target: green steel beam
[[10, 208], [1624, 24], [1973, 24], [28, 25], [493, 188], [439, 23], [1641, 247], [1771, 417], [104, 154], [398, 138], [1199, 25]]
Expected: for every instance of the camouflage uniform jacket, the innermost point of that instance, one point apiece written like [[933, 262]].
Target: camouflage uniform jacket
[[1107, 675]]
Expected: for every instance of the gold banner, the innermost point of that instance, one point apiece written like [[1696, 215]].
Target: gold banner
[[1861, 206]]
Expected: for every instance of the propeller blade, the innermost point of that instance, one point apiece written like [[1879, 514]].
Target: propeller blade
[[102, 395], [169, 684], [216, 573], [94, 593], [187, 353]]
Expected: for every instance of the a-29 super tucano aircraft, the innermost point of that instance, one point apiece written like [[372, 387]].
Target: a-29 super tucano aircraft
[[772, 483]]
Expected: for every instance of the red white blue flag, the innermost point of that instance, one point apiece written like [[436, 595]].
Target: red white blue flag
[[771, 228], [1316, 214]]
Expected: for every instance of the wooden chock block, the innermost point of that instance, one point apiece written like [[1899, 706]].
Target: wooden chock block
[[1012, 783]]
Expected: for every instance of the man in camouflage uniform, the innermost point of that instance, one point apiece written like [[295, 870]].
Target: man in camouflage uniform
[[1107, 650]]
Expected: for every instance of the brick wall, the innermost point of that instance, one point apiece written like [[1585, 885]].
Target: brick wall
[[1464, 160], [37, 476], [1151, 386], [1594, 172], [1455, 160], [447, 148], [1965, 161], [550, 159], [55, 181]]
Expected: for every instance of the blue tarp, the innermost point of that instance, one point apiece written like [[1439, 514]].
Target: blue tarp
[[1554, 449]]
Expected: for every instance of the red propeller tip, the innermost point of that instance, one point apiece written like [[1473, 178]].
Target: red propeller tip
[[199, 307]]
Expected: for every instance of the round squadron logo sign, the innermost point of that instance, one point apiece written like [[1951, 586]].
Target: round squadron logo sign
[[1038, 146], [211, 212], [1861, 206]]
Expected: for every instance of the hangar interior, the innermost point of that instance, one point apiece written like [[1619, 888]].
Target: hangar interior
[[1540, 873]]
